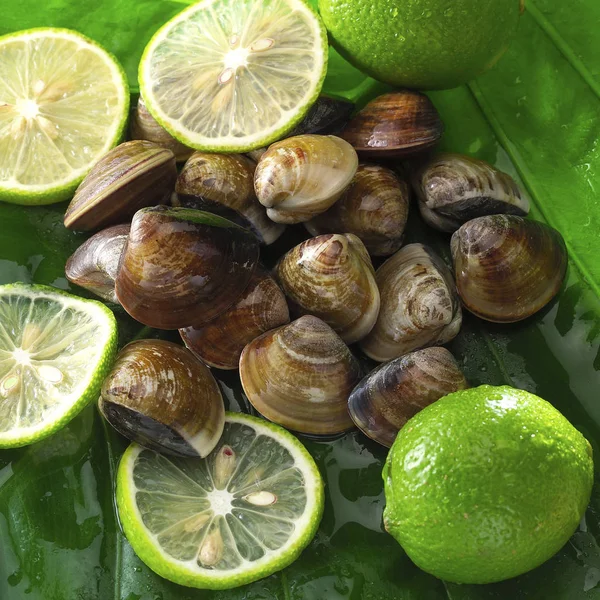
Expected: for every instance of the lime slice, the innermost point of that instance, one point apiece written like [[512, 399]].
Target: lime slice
[[241, 514], [63, 104], [234, 75], [55, 350]]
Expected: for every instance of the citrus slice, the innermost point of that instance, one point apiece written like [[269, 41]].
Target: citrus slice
[[63, 104], [55, 350], [241, 514], [234, 75]]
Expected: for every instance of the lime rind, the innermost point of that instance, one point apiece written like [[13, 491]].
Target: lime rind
[[194, 139], [63, 189], [189, 573], [87, 389]]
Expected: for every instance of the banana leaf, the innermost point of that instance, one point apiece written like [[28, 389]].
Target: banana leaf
[[535, 115]]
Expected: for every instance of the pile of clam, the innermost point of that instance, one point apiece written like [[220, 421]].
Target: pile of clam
[[182, 251]]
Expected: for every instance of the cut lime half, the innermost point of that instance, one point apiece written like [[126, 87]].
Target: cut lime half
[[241, 514], [55, 350], [63, 104], [234, 75]]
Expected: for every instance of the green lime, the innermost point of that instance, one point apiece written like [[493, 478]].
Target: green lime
[[421, 44], [241, 514], [64, 102], [234, 75], [55, 350], [486, 484]]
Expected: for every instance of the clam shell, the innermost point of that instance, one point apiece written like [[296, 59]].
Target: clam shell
[[331, 277], [94, 264], [300, 376], [453, 189], [132, 175], [224, 184], [419, 304], [160, 395], [374, 207], [183, 267], [390, 395], [326, 116], [260, 308], [507, 268], [300, 177], [400, 123], [143, 126]]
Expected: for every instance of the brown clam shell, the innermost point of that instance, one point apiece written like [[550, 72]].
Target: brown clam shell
[[374, 207], [302, 176], [453, 189], [331, 277], [396, 124], [396, 391], [143, 126], [183, 267], [95, 263], [419, 304], [160, 395], [260, 308], [132, 175], [224, 184], [506, 267], [300, 376]]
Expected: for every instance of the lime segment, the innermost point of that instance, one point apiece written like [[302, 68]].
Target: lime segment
[[233, 75], [241, 514], [54, 352], [63, 105]]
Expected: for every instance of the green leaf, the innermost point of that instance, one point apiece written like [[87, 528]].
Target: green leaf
[[537, 115]]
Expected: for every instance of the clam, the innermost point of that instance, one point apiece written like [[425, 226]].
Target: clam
[[507, 268], [390, 395], [373, 207], [132, 175], [143, 126], [300, 376], [224, 184], [331, 277], [256, 155], [183, 267], [453, 189], [94, 264], [300, 177], [326, 116], [400, 123], [161, 396], [260, 308], [419, 304]]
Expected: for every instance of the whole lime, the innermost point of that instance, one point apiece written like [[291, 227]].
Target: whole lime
[[486, 484], [422, 44]]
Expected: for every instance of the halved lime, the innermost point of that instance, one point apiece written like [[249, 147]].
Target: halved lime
[[234, 75], [55, 350], [241, 514], [63, 104]]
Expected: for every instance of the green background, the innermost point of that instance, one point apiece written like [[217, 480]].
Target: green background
[[536, 115]]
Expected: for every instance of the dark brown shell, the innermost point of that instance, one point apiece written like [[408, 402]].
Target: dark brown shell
[[419, 304], [143, 126], [224, 184], [506, 267], [261, 307], [331, 277], [453, 189], [300, 376], [395, 124], [132, 175], [390, 395], [160, 395], [327, 116], [95, 263], [374, 207], [183, 267]]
